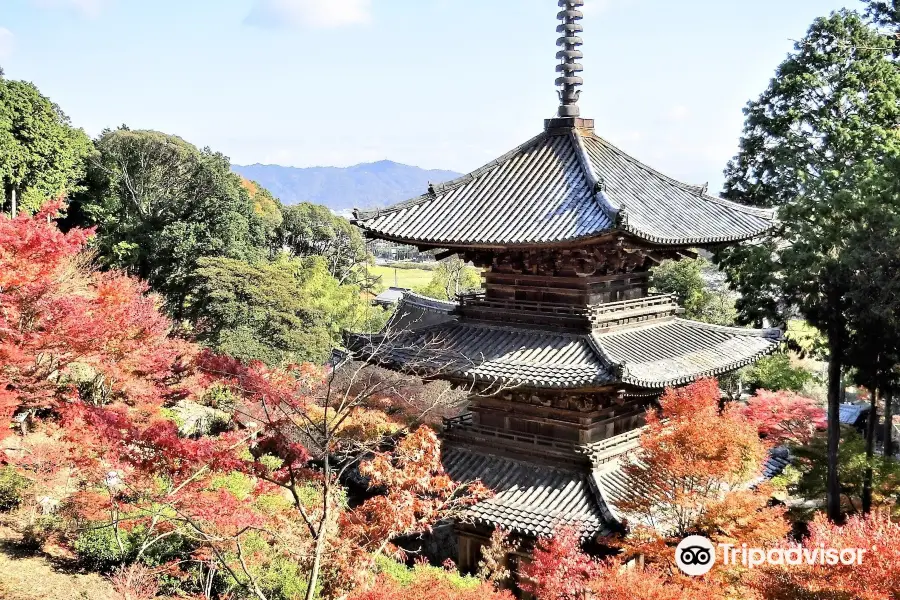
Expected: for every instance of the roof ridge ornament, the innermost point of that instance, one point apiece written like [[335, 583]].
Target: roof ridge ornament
[[569, 81]]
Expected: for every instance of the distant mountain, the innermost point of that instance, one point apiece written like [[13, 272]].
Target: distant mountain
[[340, 189]]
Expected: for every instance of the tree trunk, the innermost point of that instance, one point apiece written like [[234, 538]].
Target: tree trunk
[[870, 454], [13, 207], [835, 345], [321, 538], [888, 424]]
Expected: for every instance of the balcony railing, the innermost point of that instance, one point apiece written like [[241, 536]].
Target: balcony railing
[[595, 313], [464, 422]]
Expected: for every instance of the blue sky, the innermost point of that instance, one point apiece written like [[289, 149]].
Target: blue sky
[[436, 83]]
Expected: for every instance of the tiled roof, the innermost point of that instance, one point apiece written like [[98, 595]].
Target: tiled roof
[[534, 499], [663, 210], [614, 486], [849, 414], [529, 499], [678, 351], [415, 311], [560, 187], [492, 353], [665, 353], [390, 296]]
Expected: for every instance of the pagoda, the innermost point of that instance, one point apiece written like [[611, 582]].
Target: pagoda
[[564, 347]]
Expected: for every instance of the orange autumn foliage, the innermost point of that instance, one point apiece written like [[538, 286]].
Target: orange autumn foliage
[[691, 454]]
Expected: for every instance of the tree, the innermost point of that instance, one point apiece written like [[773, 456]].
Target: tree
[[690, 455], [312, 230], [687, 279], [280, 312], [775, 372], [562, 571], [452, 277], [885, 13], [42, 156], [256, 508], [64, 326], [827, 119], [873, 312], [875, 577], [341, 422], [784, 417], [558, 569], [160, 205], [859, 474]]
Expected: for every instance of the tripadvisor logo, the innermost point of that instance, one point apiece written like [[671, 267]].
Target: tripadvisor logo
[[695, 555]]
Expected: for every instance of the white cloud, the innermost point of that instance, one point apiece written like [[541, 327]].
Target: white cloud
[[87, 8], [319, 14], [7, 41]]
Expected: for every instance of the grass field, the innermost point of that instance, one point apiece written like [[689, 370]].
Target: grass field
[[406, 278]]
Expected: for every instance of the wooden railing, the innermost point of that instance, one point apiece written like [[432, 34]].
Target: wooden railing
[[532, 439], [479, 300], [646, 302], [595, 313]]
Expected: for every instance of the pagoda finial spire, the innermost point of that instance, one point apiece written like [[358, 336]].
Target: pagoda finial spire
[[569, 67]]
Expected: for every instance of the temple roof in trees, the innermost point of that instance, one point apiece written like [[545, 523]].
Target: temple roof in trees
[[534, 499], [566, 184], [426, 336]]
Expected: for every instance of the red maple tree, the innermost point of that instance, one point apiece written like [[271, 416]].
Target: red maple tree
[[89, 358], [785, 416], [876, 575], [66, 328]]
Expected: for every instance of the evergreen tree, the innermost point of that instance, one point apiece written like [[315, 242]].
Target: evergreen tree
[[161, 204], [41, 155], [826, 122]]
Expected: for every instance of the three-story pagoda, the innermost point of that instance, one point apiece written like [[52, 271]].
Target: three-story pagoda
[[564, 348]]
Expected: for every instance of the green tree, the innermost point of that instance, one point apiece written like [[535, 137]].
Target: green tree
[[313, 230], [687, 279], [41, 155], [776, 372], [161, 204], [872, 259], [452, 277], [283, 311], [827, 119], [809, 475]]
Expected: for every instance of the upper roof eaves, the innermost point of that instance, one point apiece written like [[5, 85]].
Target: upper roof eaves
[[562, 187]]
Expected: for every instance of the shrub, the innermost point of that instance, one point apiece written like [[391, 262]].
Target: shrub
[[278, 576], [99, 549], [135, 582], [405, 576], [12, 486], [240, 485]]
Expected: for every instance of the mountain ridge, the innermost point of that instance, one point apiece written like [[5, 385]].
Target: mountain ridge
[[365, 185]]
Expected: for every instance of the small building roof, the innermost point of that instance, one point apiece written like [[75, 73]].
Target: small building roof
[[390, 296], [426, 337], [565, 184], [850, 414]]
